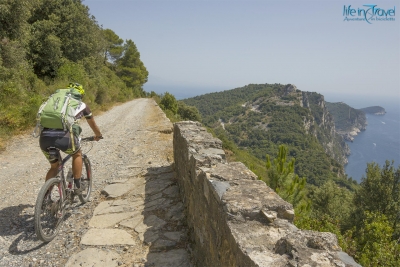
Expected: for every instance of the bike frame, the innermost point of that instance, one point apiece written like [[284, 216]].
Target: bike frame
[[62, 185], [55, 208], [65, 187]]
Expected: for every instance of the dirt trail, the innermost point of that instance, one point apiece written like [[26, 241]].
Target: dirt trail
[[137, 137]]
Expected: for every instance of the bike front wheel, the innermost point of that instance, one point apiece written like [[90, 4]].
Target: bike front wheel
[[49, 210], [86, 180]]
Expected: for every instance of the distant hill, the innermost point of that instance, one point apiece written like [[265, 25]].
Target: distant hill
[[260, 117], [348, 121], [376, 110]]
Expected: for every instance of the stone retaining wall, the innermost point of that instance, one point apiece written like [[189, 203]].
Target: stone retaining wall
[[236, 219]]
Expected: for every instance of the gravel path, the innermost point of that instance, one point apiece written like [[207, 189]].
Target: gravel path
[[129, 146]]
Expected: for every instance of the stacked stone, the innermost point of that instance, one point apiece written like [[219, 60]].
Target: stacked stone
[[234, 219]]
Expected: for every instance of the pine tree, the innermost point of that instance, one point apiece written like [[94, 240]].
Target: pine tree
[[130, 68], [282, 179], [114, 46], [379, 192]]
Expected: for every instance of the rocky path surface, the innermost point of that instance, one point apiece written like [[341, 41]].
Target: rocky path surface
[[135, 217]]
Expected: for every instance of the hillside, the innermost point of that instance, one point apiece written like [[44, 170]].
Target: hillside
[[260, 117], [45, 45], [376, 110], [348, 121]]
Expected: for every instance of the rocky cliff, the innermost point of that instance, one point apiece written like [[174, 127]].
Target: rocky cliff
[[260, 117], [348, 121], [375, 110], [326, 133], [235, 219]]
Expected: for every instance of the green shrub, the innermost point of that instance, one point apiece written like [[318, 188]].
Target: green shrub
[[168, 102], [72, 72]]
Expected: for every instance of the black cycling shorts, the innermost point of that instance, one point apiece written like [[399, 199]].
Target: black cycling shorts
[[54, 138]]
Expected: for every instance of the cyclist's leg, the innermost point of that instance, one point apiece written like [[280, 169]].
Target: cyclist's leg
[[69, 144], [47, 142], [77, 164], [52, 172]]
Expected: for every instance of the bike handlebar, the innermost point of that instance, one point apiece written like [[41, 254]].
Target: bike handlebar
[[91, 138]]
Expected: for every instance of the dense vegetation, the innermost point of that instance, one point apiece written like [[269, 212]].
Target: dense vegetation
[[283, 135], [366, 221], [263, 135], [175, 110], [374, 110], [346, 117], [45, 44], [259, 118]]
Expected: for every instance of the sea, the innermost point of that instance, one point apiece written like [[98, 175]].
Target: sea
[[379, 142]]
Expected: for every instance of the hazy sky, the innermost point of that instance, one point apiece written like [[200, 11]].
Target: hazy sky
[[193, 47]]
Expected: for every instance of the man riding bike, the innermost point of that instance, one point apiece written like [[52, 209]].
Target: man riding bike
[[68, 143]]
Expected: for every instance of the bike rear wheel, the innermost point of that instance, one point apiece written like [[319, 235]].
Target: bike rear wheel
[[49, 210], [86, 180]]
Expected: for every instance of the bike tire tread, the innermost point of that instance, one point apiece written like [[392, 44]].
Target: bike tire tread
[[88, 173], [38, 206]]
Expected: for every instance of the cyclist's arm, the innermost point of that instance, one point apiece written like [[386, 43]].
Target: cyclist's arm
[[87, 113], [95, 128]]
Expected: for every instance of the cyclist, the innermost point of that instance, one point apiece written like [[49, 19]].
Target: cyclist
[[60, 139]]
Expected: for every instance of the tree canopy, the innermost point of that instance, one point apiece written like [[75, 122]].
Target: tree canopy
[[260, 117], [45, 44]]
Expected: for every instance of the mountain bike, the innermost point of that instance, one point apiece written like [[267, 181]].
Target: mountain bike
[[57, 193]]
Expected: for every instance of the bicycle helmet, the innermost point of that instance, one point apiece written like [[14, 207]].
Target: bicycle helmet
[[78, 87]]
